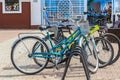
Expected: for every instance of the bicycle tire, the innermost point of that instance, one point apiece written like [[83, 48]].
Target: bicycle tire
[[113, 39], [105, 46], [92, 57], [30, 65]]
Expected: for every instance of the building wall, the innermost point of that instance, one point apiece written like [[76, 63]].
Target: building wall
[[21, 0], [1, 20], [17, 20]]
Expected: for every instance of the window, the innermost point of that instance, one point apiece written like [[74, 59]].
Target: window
[[78, 6], [11, 6]]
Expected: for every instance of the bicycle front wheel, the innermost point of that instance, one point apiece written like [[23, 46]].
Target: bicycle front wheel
[[22, 55], [92, 57]]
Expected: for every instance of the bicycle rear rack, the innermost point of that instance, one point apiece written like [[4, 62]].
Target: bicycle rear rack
[[31, 33]]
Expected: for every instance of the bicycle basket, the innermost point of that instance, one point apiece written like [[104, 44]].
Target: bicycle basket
[[84, 26]]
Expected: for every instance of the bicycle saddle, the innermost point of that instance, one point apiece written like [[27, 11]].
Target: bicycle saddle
[[85, 13], [44, 28]]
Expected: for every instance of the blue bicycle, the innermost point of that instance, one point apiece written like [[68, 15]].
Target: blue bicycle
[[22, 54]]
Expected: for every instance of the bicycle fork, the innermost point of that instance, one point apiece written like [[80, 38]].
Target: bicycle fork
[[94, 44]]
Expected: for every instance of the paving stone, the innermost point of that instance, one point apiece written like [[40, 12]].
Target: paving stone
[[8, 72]]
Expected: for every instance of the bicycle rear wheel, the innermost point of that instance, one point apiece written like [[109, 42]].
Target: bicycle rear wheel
[[115, 42], [50, 63], [105, 53], [22, 55]]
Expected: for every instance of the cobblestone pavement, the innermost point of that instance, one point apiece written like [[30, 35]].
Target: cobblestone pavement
[[8, 72]]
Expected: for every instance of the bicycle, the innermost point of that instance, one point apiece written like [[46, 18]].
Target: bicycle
[[104, 61], [109, 59], [113, 39], [113, 56], [60, 36], [53, 53]]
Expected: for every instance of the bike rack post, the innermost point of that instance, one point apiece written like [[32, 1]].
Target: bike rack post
[[77, 52]]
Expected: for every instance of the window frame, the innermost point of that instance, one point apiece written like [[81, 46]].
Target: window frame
[[10, 12]]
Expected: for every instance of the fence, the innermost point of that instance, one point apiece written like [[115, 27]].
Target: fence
[[64, 9]]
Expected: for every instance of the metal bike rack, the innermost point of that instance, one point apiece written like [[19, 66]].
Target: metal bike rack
[[20, 34], [77, 52]]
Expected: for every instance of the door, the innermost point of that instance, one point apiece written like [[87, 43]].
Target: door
[[36, 12]]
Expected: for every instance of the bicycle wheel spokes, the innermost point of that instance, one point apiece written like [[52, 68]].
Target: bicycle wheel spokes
[[115, 42], [106, 52], [21, 58]]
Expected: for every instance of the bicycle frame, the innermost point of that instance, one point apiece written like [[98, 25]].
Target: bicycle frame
[[67, 42]]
